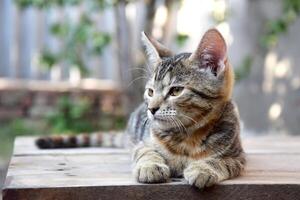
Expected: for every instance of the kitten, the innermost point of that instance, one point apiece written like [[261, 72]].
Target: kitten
[[188, 125]]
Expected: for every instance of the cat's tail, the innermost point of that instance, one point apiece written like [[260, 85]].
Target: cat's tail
[[99, 139]]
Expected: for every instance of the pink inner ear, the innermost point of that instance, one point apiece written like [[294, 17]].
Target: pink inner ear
[[211, 51]]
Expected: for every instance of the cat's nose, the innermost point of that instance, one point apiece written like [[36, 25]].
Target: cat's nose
[[153, 110]]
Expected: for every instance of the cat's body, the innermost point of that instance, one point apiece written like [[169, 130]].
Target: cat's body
[[203, 144], [188, 125], [196, 133]]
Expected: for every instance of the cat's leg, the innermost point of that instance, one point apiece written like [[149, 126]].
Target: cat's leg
[[205, 173], [150, 166]]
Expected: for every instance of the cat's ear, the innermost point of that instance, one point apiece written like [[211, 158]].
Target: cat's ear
[[154, 50], [211, 53]]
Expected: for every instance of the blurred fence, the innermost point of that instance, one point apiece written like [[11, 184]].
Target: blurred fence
[[25, 32], [271, 86]]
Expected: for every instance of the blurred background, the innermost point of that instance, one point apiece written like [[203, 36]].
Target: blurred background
[[74, 66]]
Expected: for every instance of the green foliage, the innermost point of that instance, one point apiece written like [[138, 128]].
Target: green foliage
[[80, 40], [48, 59], [181, 39], [275, 28], [18, 127], [109, 122], [77, 116], [244, 69], [49, 3], [71, 116]]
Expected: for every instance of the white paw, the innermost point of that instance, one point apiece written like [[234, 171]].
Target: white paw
[[151, 173], [200, 177]]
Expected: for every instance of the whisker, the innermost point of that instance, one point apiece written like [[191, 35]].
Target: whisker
[[136, 80], [182, 125], [176, 124], [189, 118], [170, 120], [137, 68], [179, 125]]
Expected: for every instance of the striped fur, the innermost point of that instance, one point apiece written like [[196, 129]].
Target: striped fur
[[196, 133]]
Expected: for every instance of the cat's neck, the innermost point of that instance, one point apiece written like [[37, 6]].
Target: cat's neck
[[190, 143], [202, 126]]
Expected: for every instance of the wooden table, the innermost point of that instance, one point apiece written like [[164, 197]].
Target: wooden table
[[272, 172]]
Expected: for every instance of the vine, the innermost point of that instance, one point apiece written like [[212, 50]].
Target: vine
[[277, 27], [80, 40]]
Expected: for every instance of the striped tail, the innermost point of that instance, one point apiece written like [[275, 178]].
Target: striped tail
[[99, 139]]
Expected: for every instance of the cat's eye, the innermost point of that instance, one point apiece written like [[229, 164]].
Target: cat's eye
[[175, 91], [150, 92]]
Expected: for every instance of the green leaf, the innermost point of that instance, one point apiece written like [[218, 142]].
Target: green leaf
[[100, 41], [60, 29], [181, 39], [244, 69], [47, 60], [79, 40]]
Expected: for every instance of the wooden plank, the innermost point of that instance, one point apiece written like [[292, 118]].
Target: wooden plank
[[278, 144], [103, 173], [101, 170], [272, 144], [158, 191]]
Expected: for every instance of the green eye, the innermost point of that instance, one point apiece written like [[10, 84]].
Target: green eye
[[175, 91], [150, 92]]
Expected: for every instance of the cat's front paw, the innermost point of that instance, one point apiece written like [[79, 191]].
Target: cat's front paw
[[200, 177], [152, 173]]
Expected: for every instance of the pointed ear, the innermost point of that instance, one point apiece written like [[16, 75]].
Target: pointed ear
[[154, 50], [211, 53]]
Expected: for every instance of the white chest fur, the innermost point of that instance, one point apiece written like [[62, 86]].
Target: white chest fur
[[177, 163]]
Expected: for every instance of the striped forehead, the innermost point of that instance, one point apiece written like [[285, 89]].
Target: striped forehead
[[163, 69], [167, 65], [161, 84]]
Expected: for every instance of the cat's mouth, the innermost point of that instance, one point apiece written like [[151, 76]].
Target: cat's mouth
[[159, 118]]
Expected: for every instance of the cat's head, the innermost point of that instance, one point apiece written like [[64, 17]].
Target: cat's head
[[187, 88]]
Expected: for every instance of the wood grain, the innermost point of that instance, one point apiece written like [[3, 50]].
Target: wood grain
[[158, 192], [272, 172]]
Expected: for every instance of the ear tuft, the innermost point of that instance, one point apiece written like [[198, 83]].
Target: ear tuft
[[154, 50], [150, 50], [211, 52]]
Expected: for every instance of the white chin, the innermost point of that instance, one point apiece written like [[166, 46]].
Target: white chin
[[149, 114]]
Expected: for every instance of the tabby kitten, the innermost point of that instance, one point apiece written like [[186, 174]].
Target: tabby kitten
[[188, 125]]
